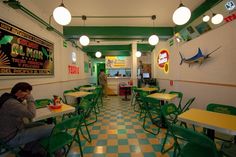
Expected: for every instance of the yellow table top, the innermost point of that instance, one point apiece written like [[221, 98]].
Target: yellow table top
[[78, 94], [148, 89], [46, 112], [212, 120], [163, 96], [87, 88]]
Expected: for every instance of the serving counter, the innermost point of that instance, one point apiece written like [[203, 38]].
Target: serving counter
[[113, 84]]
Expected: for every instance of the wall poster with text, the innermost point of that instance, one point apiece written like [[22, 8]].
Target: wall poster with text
[[24, 54]]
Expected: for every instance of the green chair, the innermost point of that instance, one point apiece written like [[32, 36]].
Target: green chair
[[152, 110], [169, 113], [65, 97], [195, 144], [162, 91], [180, 97], [39, 103], [226, 109], [88, 108], [140, 100], [187, 105], [62, 137]]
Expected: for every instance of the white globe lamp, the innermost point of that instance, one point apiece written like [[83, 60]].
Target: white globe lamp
[[181, 15], [62, 15], [217, 19], [138, 54], [206, 18], [153, 39], [98, 54], [84, 40]]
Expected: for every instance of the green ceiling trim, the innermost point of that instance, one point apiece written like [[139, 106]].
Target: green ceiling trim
[[115, 32], [205, 6], [116, 50], [145, 47]]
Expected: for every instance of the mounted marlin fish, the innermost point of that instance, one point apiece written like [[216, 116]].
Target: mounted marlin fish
[[198, 58]]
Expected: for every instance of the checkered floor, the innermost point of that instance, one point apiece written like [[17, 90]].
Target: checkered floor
[[119, 133]]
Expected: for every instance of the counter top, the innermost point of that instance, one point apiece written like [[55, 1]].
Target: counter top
[[116, 77]]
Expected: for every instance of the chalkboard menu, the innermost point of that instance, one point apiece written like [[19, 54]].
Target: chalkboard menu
[[24, 54]]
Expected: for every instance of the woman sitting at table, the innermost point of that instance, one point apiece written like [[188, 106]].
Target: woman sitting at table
[[14, 108]]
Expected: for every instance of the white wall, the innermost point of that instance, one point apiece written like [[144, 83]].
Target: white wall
[[215, 79], [45, 86]]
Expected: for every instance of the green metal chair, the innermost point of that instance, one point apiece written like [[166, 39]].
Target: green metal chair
[[180, 97], [65, 97], [195, 143], [39, 103], [162, 91], [88, 108], [169, 113], [152, 110], [61, 136], [226, 109], [188, 104]]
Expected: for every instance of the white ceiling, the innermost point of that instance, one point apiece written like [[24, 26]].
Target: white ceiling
[[163, 9]]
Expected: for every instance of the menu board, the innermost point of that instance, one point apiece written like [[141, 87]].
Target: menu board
[[24, 54], [117, 62]]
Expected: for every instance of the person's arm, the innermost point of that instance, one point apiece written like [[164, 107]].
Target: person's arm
[[21, 110]]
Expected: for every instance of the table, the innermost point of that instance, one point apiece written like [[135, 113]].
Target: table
[[87, 88], [78, 94], [213, 121], [46, 112], [126, 88], [148, 89], [162, 97]]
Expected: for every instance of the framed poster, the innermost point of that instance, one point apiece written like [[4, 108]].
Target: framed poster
[[24, 54]]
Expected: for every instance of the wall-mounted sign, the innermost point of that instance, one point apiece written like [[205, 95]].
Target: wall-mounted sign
[[73, 57], [230, 17], [72, 69], [22, 53], [117, 62], [163, 60], [230, 5]]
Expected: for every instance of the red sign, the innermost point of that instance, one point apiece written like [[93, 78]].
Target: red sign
[[230, 18], [72, 69], [163, 58]]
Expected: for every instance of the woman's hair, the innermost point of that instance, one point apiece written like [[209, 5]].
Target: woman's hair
[[23, 86]]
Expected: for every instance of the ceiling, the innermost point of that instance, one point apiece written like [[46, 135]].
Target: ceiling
[[121, 22]]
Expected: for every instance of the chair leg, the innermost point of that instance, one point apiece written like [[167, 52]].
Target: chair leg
[[78, 141], [89, 137], [144, 126], [164, 142]]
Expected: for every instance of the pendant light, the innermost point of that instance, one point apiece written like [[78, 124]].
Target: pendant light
[[84, 40], [153, 39], [181, 15], [138, 54], [98, 54], [62, 15], [217, 18], [205, 18]]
